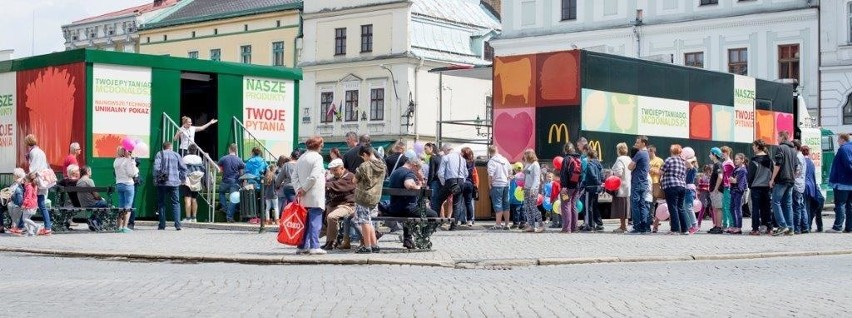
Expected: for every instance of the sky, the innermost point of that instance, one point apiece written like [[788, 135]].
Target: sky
[[16, 22]]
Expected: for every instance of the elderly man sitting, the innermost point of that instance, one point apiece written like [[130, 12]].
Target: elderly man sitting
[[340, 202]]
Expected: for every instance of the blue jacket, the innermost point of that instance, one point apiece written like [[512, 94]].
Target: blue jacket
[[811, 188], [512, 186], [257, 167], [841, 168]]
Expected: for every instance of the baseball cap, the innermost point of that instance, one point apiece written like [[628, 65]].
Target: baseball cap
[[715, 151], [335, 163]]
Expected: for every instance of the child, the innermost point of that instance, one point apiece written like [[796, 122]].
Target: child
[[689, 197], [518, 217], [728, 168], [368, 190], [704, 193], [739, 184], [270, 196], [30, 204], [555, 188]]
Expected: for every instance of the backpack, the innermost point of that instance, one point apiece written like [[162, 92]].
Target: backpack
[[574, 169]]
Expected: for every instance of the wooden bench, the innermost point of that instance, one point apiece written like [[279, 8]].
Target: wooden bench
[[422, 227], [67, 206]]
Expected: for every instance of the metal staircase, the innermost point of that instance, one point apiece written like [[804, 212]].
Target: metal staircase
[[245, 140], [208, 192]]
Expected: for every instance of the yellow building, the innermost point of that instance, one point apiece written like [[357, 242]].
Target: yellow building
[[256, 32]]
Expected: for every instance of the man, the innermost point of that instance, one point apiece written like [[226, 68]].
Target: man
[[840, 181], [89, 199], [451, 174], [800, 213], [498, 185], [639, 184], [406, 177], [231, 167], [71, 159], [169, 173], [783, 180], [340, 202], [351, 160]]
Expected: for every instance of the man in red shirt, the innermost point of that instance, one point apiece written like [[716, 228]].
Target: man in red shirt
[[71, 159]]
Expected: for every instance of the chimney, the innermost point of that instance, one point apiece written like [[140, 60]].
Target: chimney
[[496, 5]]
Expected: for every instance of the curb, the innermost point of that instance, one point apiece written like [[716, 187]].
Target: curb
[[458, 264]]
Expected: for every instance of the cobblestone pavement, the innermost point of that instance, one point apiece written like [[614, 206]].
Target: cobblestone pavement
[[48, 286], [454, 247]]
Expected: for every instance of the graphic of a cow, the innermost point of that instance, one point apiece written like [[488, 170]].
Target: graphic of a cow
[[515, 78]]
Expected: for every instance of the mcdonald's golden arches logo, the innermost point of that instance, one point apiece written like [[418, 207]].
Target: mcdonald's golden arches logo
[[561, 131], [596, 146]]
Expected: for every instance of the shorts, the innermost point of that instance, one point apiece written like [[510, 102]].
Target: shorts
[[716, 199], [363, 215], [187, 193], [500, 198]]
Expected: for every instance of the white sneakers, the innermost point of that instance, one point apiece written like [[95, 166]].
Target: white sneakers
[[317, 251]]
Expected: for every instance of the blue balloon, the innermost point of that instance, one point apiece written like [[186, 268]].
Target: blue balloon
[[547, 205], [579, 206], [548, 188], [235, 197]]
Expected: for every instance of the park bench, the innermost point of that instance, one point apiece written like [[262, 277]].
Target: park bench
[[422, 227], [68, 205]]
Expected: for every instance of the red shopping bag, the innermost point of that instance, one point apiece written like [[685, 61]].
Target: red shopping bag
[[291, 226]]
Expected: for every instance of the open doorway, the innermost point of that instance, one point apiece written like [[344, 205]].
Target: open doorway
[[199, 101]]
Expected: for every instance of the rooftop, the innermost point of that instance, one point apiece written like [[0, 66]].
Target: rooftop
[[206, 10], [137, 10]]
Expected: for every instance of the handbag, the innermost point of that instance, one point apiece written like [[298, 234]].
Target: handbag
[[291, 226], [163, 174]]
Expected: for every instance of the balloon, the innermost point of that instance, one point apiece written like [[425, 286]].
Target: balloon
[[235, 197], [517, 166], [410, 154], [519, 179], [662, 212], [418, 148], [547, 205], [557, 162], [128, 144], [697, 206], [612, 183], [579, 206], [141, 150], [539, 200], [519, 194], [557, 205], [687, 153], [548, 188]]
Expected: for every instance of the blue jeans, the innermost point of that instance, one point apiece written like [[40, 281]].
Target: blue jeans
[[313, 225], [782, 205], [639, 208], [467, 196], [800, 214], [674, 201], [842, 210], [99, 204], [436, 191], [44, 213], [125, 195], [224, 197], [168, 196], [289, 195], [517, 214], [688, 201]]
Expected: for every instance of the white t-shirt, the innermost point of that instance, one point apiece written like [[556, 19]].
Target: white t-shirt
[[187, 135]]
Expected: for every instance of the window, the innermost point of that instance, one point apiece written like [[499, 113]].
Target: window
[[847, 111], [708, 2], [788, 61], [245, 27], [695, 59], [216, 55], [193, 54], [147, 39], [326, 113], [569, 10], [165, 37], [377, 104], [738, 61], [278, 23], [215, 31], [367, 38], [193, 33], [245, 54], [489, 108], [278, 53], [340, 41], [351, 106]]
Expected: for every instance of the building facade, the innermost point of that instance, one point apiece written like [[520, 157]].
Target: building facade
[[253, 32], [366, 67], [767, 39], [114, 31], [836, 66]]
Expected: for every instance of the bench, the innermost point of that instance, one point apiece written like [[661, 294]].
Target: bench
[[67, 206], [422, 227]]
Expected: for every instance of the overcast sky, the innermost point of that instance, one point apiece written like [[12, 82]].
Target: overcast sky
[[16, 22]]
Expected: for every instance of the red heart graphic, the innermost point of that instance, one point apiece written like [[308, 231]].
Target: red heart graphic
[[784, 122], [513, 133]]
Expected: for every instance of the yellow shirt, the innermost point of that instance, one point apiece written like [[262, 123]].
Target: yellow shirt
[[656, 164]]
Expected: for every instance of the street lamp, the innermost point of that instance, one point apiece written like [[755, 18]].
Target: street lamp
[[478, 124]]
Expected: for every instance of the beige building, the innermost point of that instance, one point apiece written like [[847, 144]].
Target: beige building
[[255, 32]]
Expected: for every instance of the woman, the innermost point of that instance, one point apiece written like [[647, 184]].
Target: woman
[[38, 163], [125, 170], [396, 158], [814, 201], [284, 179], [759, 177], [193, 182], [186, 133], [256, 166], [470, 187], [673, 183], [688, 155], [369, 177], [621, 200], [335, 154], [532, 184], [309, 183]]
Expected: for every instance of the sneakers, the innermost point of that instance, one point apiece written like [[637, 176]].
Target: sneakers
[[539, 230], [126, 230], [833, 230], [185, 221], [715, 230], [364, 250], [300, 251], [599, 228], [693, 230], [317, 251], [782, 231], [44, 232], [375, 249]]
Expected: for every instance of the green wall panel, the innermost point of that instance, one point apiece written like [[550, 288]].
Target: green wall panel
[[230, 105]]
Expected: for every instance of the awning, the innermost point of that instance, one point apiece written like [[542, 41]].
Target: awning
[[343, 147]]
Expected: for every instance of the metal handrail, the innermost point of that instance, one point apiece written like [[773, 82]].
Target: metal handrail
[[209, 196], [239, 140]]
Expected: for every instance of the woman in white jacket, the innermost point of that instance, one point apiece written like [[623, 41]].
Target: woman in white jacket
[[125, 171], [621, 201], [309, 183]]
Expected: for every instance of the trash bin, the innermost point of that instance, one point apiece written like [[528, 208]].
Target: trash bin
[[248, 203]]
